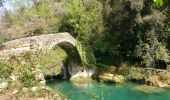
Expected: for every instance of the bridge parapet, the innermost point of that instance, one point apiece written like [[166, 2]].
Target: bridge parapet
[[44, 42]]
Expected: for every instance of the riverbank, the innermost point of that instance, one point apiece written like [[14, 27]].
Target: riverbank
[[33, 93], [148, 76], [22, 77]]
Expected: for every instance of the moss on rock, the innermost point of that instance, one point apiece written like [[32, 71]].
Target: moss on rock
[[119, 79]]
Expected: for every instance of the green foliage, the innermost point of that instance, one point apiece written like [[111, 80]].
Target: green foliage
[[83, 20], [124, 71], [152, 51], [24, 68], [50, 63], [168, 68], [135, 73], [133, 31], [86, 55], [132, 73], [158, 3], [111, 69], [6, 69], [27, 76], [2, 38]]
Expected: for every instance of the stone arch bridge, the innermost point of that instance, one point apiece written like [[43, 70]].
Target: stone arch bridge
[[43, 42]]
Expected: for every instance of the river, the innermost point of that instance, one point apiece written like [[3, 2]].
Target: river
[[100, 91]]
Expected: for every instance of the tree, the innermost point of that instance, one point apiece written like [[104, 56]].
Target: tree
[[152, 51], [83, 20]]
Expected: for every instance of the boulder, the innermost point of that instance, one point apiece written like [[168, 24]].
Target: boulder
[[13, 78], [3, 85], [165, 77], [15, 91], [161, 84], [153, 80], [33, 89], [24, 89], [80, 79], [106, 77], [118, 79], [158, 81], [39, 75], [109, 78], [43, 82]]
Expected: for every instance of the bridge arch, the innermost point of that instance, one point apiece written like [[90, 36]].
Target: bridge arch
[[43, 42]]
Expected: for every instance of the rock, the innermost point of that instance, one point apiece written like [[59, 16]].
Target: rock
[[40, 99], [23, 62], [153, 80], [161, 84], [33, 89], [45, 88], [78, 71], [24, 89], [15, 91], [157, 81], [118, 79], [13, 78], [146, 89], [165, 77], [40, 76], [43, 82], [80, 79], [3, 85], [106, 77]]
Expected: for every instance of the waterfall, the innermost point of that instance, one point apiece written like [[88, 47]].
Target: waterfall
[[63, 71]]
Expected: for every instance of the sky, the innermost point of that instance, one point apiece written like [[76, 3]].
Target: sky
[[7, 5]]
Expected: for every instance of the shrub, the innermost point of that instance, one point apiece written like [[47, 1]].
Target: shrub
[[135, 73], [168, 68], [27, 76], [111, 69], [5, 69], [132, 73], [3, 38], [124, 71]]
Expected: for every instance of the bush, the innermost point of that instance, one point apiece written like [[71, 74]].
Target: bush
[[168, 68], [111, 69], [135, 73], [5, 69], [3, 38], [124, 71], [27, 76], [132, 73], [25, 66]]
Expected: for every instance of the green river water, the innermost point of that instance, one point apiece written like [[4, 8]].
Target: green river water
[[100, 91]]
